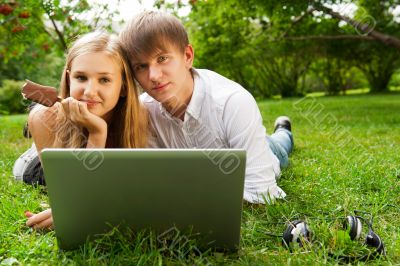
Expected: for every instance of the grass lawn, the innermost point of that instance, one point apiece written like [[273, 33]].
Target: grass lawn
[[346, 158]]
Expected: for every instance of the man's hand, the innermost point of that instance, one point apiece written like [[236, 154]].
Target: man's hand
[[42, 220]]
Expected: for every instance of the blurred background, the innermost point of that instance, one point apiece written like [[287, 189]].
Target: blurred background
[[273, 48]]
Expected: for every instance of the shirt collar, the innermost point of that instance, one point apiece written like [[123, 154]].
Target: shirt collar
[[196, 101]]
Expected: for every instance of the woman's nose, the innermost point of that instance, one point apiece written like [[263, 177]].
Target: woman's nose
[[90, 88]]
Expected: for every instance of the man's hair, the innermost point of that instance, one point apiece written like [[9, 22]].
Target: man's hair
[[153, 31]]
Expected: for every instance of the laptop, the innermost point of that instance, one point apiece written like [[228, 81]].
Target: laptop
[[92, 190]]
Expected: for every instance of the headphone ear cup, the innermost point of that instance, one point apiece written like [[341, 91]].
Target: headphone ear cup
[[287, 236], [295, 232], [373, 240], [355, 226]]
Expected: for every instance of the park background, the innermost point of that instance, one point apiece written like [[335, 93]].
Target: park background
[[332, 66]]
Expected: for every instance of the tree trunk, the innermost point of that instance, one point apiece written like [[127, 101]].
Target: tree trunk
[[378, 75], [378, 83]]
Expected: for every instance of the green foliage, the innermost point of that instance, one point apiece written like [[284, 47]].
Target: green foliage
[[222, 44], [378, 64], [345, 158], [333, 78], [48, 26], [11, 101], [395, 81], [273, 47], [45, 70], [36, 34], [235, 42]]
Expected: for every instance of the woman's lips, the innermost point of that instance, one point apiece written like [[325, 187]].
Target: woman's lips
[[90, 103]]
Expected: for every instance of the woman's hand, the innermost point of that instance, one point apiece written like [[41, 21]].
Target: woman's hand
[[78, 113], [42, 220]]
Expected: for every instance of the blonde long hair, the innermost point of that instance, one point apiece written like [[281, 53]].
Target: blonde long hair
[[129, 122]]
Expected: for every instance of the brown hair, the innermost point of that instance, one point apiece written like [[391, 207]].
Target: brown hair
[[129, 122], [152, 31]]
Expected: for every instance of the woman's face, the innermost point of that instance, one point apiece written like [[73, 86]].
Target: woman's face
[[95, 79]]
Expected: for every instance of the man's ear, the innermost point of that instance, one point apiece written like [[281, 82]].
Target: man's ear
[[189, 56]]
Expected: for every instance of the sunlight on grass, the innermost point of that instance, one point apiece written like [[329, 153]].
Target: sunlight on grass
[[346, 158]]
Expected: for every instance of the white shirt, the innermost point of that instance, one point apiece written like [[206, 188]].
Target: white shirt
[[221, 114]]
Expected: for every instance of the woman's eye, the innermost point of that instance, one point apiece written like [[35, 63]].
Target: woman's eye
[[104, 80], [81, 78]]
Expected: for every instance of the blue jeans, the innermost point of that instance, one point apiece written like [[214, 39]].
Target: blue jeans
[[281, 144]]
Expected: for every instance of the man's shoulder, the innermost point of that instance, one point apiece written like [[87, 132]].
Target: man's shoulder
[[220, 87], [213, 79]]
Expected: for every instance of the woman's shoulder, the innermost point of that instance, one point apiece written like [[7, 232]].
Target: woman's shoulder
[[43, 119]]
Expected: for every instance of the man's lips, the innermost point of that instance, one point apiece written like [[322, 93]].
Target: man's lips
[[161, 86]]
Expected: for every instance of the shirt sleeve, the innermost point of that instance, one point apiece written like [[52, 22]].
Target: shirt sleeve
[[244, 130]]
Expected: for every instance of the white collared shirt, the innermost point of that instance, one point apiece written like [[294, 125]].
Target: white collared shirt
[[221, 114]]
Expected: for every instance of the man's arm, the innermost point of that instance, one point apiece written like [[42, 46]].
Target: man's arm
[[244, 129]]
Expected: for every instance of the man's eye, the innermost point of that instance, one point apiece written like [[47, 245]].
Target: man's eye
[[162, 58], [139, 67], [104, 80]]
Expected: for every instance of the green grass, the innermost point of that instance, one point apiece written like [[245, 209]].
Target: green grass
[[346, 158]]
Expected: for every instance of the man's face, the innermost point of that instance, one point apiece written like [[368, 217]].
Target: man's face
[[166, 74]]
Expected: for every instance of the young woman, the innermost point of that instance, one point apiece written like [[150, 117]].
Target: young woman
[[100, 106]]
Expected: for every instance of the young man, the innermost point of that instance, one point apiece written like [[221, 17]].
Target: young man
[[194, 108]]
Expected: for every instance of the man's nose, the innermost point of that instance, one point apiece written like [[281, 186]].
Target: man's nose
[[154, 73]]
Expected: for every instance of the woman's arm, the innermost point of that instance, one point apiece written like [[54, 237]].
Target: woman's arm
[[42, 122], [42, 126]]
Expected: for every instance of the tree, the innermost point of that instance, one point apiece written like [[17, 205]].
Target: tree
[[222, 43], [377, 49], [37, 33]]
